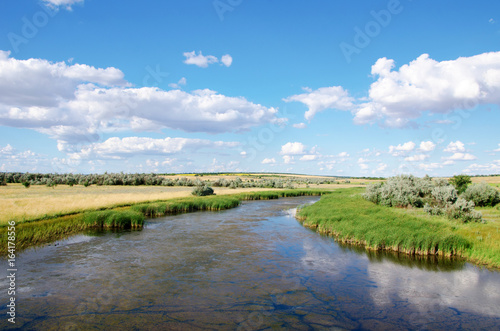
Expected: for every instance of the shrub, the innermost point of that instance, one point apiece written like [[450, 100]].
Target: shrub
[[482, 194], [444, 195], [460, 182], [400, 191], [203, 191], [372, 192], [463, 210], [26, 184]]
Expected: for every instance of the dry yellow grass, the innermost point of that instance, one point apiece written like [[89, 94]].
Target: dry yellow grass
[[21, 204]]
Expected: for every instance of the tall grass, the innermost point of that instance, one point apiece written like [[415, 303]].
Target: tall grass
[[348, 217], [110, 219], [44, 231], [209, 203]]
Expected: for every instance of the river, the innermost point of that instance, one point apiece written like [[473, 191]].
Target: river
[[249, 268]]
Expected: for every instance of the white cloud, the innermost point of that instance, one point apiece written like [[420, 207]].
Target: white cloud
[[402, 149], [76, 103], [7, 150], [309, 157], [180, 83], [461, 157], [381, 168], [227, 60], [488, 168], [418, 157], [498, 149], [492, 21], [117, 148], [427, 146], [343, 154], [294, 148], [300, 125], [288, 159], [199, 59], [454, 147], [430, 166], [203, 61], [40, 83], [268, 161], [428, 85], [62, 3], [334, 97]]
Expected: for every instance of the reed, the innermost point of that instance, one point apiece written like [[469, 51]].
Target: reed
[[112, 219], [345, 215]]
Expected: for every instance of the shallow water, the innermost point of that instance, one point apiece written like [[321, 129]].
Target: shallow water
[[250, 268]]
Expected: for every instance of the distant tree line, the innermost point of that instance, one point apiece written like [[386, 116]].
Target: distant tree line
[[51, 180]]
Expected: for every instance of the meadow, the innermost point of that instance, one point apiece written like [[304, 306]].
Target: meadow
[[349, 218], [44, 214]]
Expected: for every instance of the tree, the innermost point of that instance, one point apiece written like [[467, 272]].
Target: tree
[[460, 182]]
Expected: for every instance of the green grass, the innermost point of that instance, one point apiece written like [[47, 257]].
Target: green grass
[[45, 231], [345, 215], [184, 205], [112, 219], [348, 217]]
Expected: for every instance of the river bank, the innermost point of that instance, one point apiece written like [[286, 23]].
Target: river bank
[[41, 232], [349, 218]]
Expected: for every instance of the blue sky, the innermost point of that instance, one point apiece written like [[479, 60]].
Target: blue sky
[[350, 88]]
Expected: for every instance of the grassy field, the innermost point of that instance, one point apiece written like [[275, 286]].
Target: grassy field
[[41, 202], [345, 215], [37, 233]]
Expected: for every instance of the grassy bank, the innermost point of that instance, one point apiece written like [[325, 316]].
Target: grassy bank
[[40, 232], [348, 217]]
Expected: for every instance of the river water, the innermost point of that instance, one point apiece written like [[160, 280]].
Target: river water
[[249, 268]]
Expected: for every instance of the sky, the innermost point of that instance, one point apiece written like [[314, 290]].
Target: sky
[[340, 88]]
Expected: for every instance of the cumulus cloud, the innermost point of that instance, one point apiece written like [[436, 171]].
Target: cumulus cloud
[[334, 97], [402, 149], [427, 146], [460, 157], [268, 161], [227, 60], [76, 103], [424, 84], [300, 125], [62, 3], [288, 159], [485, 169], [398, 97], [116, 148], [181, 82], [418, 157], [309, 157], [454, 147], [203, 61], [430, 166], [40, 83], [294, 148], [199, 60]]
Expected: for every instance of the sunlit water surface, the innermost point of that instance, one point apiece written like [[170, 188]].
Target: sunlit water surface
[[250, 268]]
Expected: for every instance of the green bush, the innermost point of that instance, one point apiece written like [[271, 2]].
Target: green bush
[[464, 211], [444, 194], [436, 197], [460, 182], [482, 194], [201, 191], [399, 191]]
